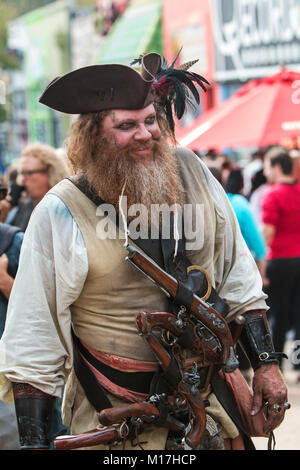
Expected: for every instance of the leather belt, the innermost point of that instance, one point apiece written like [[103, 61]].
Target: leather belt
[[134, 381]]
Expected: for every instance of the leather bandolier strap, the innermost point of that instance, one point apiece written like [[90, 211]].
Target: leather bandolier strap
[[135, 381]]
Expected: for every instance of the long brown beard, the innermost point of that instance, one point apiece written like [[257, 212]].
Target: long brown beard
[[153, 184]]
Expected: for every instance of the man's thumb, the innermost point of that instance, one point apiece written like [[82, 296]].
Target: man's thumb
[[256, 404]]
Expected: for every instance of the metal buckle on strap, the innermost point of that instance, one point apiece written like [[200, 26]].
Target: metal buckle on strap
[[264, 356]]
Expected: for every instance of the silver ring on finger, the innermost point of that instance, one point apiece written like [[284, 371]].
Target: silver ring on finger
[[275, 408]]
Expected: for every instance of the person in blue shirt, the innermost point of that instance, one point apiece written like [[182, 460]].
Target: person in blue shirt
[[246, 220]]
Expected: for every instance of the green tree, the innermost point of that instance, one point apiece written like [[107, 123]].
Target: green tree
[[7, 60], [23, 6], [86, 3]]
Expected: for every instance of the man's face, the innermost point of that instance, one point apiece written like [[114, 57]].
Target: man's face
[[133, 129], [126, 154], [34, 176]]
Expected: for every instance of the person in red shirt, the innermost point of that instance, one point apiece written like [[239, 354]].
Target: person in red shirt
[[281, 228]]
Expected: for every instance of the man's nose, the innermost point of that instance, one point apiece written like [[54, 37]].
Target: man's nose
[[142, 133]]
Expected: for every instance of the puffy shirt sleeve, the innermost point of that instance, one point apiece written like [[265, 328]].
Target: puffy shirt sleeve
[[36, 345]]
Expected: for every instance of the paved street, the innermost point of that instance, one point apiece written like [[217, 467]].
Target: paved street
[[287, 436]]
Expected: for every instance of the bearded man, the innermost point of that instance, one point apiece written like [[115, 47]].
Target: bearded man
[[72, 314]]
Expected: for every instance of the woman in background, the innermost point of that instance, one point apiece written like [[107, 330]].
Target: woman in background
[[246, 220]]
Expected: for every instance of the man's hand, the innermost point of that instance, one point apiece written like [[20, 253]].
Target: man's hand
[[6, 281], [269, 386]]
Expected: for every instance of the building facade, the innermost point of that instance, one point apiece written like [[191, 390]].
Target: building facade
[[234, 40]]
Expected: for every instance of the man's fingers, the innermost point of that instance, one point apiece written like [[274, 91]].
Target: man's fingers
[[273, 421], [256, 403]]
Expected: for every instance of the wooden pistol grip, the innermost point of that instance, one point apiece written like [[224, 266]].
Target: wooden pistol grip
[[186, 336], [117, 414], [163, 357], [87, 439], [195, 402], [199, 422], [147, 321], [212, 320]]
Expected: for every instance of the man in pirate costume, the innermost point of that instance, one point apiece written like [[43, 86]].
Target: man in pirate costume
[[72, 314]]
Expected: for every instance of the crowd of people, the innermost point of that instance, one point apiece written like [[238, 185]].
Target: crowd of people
[[265, 195]]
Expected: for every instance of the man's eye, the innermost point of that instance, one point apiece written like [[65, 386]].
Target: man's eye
[[151, 120], [125, 126]]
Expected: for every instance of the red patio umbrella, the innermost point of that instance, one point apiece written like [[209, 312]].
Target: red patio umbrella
[[262, 112]]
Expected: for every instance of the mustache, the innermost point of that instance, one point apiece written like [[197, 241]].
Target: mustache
[[114, 167], [150, 145]]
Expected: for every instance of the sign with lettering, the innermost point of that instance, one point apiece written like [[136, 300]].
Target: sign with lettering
[[254, 37]]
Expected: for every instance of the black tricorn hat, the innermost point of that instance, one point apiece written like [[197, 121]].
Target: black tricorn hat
[[114, 86], [101, 87]]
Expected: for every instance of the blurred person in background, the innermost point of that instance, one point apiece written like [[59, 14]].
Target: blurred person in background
[[246, 220], [9, 205], [281, 228], [210, 157], [216, 172], [219, 164], [10, 244], [40, 169], [255, 165], [259, 182], [259, 187], [11, 239], [226, 165], [295, 154]]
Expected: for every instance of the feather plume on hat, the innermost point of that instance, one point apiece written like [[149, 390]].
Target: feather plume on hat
[[174, 87]]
